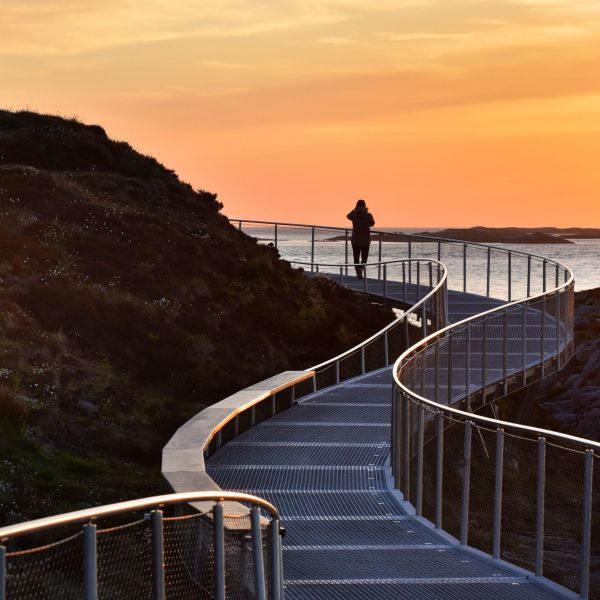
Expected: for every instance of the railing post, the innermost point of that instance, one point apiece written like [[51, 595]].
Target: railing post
[[464, 519], [489, 269], [314, 382], [436, 363], [439, 251], [557, 317], [430, 275], [406, 333], [524, 343], [379, 256], [543, 334], [346, 251], [464, 267], [342, 274], [273, 404], [528, 276], [397, 437], [406, 448], [545, 264], [385, 281], [498, 492], [509, 275], [90, 562], [409, 264], [404, 280], [275, 574], [505, 350], [2, 572], [337, 371], [158, 555], [362, 360], [450, 361], [418, 281], [219, 550], [468, 368], [312, 248], [556, 275], [484, 357], [424, 319], [240, 225], [540, 506], [275, 235], [439, 470], [420, 433], [386, 348], [257, 555], [584, 582]]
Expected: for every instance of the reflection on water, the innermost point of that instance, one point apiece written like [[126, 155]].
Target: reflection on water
[[583, 257]]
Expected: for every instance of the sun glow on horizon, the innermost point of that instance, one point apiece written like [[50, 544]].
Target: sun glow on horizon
[[448, 112]]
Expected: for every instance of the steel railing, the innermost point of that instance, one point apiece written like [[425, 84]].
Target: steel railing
[[420, 285], [518, 493], [206, 554]]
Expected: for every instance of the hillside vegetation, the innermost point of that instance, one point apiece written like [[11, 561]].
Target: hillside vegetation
[[127, 304]]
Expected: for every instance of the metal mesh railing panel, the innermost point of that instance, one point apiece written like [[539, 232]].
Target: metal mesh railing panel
[[125, 562], [563, 515], [453, 476], [190, 561], [52, 572], [519, 509], [189, 557], [481, 490]]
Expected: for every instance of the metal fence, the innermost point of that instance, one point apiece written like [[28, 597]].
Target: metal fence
[[420, 285], [518, 493], [154, 548]]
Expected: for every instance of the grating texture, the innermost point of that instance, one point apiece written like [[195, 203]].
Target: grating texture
[[315, 432], [299, 478], [125, 561], [446, 590], [51, 572]]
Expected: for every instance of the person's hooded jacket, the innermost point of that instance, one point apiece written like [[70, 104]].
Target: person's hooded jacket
[[362, 221]]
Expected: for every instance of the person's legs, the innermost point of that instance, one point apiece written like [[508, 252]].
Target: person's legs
[[356, 250], [364, 256]]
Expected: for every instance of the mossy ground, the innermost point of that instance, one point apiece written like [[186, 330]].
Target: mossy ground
[[127, 304]]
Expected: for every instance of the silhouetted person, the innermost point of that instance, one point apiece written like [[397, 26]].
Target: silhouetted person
[[362, 221]]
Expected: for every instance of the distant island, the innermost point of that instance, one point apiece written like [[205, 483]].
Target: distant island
[[494, 235]]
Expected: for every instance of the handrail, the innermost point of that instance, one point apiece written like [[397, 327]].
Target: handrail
[[90, 514], [413, 236], [419, 421], [412, 310]]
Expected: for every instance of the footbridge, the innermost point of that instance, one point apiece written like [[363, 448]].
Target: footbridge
[[389, 471]]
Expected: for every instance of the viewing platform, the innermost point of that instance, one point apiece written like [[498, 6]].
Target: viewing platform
[[384, 472]]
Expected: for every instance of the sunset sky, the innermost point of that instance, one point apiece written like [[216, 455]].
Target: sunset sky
[[437, 112]]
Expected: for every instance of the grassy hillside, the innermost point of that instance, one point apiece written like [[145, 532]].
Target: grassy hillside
[[128, 303]]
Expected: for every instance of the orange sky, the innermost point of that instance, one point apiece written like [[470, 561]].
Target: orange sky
[[438, 112]]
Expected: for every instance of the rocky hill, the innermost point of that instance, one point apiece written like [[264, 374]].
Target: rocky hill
[[570, 401], [128, 303]]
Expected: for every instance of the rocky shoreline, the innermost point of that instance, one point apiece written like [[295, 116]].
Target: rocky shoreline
[[570, 400]]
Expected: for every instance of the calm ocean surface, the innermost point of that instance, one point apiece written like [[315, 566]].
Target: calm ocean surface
[[583, 256]]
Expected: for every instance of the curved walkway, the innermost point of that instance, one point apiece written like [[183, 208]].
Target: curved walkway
[[323, 464]]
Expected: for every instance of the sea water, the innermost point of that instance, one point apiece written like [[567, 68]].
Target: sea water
[[582, 256]]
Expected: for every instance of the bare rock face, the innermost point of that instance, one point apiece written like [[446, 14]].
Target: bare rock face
[[570, 401]]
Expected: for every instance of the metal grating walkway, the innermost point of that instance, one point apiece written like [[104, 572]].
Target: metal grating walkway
[[322, 463]]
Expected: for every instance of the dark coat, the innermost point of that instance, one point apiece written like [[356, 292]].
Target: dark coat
[[362, 221]]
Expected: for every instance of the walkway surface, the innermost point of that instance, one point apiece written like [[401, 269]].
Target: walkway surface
[[322, 463]]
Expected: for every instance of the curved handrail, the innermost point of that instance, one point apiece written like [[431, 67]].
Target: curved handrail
[[155, 502], [440, 286], [419, 421], [410, 236]]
